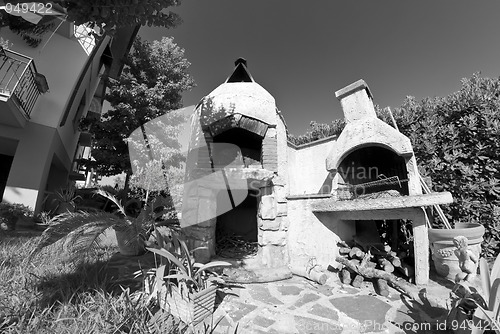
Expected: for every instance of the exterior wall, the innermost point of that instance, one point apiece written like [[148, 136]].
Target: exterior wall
[[61, 72], [85, 84], [314, 236], [307, 172], [31, 164], [45, 139]]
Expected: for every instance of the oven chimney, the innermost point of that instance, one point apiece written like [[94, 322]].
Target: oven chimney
[[356, 101], [240, 60]]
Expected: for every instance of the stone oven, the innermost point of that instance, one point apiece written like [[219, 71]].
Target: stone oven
[[292, 204], [375, 177], [237, 166], [369, 155]]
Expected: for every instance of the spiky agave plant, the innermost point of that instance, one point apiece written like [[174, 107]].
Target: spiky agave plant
[[489, 311], [180, 268], [75, 235], [483, 309]]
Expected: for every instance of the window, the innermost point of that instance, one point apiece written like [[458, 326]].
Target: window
[[84, 36]]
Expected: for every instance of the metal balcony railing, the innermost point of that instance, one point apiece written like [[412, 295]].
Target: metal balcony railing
[[18, 79]]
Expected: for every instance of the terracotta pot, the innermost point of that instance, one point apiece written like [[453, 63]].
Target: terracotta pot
[[128, 243], [446, 263]]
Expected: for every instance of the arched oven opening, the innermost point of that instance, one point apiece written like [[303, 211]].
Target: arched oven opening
[[249, 143], [372, 170]]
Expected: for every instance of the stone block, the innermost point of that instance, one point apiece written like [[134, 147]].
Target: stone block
[[281, 209], [278, 181], [189, 217], [206, 209], [206, 192], [274, 256], [269, 224], [271, 133], [269, 140], [277, 238], [191, 201], [269, 158], [280, 192], [209, 223], [199, 233], [272, 166], [285, 223], [268, 207]]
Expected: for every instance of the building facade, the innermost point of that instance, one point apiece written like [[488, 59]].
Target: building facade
[[45, 90]]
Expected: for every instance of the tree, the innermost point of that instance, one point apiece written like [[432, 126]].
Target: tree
[[107, 15], [154, 76]]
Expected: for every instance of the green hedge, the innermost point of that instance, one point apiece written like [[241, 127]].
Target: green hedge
[[318, 131], [456, 140]]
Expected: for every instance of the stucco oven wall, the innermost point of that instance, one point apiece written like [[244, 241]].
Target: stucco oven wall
[[313, 236], [307, 172]]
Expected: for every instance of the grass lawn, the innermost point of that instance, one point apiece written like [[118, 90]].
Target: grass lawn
[[46, 295]]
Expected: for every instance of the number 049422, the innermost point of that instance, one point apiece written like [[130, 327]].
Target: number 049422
[[25, 7]]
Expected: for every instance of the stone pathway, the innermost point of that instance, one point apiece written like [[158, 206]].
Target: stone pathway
[[298, 305]]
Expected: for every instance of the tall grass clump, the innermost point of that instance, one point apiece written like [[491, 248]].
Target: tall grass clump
[[44, 295]]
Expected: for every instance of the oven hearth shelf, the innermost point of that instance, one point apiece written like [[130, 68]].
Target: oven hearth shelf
[[398, 202]]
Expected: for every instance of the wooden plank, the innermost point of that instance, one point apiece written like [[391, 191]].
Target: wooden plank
[[330, 205], [253, 125]]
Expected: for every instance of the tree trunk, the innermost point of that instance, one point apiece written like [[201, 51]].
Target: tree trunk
[[126, 186]]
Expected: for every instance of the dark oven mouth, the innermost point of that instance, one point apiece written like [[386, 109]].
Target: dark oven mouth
[[372, 172], [236, 234]]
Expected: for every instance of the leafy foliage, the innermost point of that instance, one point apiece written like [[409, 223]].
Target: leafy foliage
[[10, 212], [150, 86], [456, 140], [31, 33], [180, 268], [46, 297], [317, 132], [109, 15], [482, 309], [74, 235]]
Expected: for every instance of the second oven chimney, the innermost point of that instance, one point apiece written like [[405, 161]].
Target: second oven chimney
[[356, 101]]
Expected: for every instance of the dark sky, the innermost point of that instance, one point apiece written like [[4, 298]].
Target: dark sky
[[303, 51]]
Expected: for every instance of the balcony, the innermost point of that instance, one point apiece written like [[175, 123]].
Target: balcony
[[78, 171], [20, 87]]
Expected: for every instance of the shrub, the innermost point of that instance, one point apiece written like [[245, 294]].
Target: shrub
[[318, 131], [10, 212], [456, 140]]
